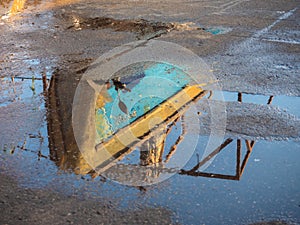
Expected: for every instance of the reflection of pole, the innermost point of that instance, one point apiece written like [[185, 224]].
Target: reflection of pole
[[240, 98], [151, 152], [13, 84], [270, 100], [238, 157], [45, 83], [194, 172], [249, 146]]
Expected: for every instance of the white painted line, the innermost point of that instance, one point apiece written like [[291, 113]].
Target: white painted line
[[282, 41], [268, 28], [229, 5]]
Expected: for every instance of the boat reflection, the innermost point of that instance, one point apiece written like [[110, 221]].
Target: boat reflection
[[150, 127], [152, 155]]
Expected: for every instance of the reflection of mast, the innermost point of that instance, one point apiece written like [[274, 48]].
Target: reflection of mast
[[151, 151]]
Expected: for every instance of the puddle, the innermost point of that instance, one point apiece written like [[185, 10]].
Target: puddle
[[191, 26], [218, 30], [267, 190], [257, 176]]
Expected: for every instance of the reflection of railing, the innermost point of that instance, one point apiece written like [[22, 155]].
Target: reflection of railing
[[240, 166]]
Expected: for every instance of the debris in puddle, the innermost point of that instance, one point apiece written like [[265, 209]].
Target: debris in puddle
[[119, 85], [122, 106]]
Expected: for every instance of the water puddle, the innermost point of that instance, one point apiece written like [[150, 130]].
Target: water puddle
[[49, 158], [262, 168], [191, 26], [218, 30]]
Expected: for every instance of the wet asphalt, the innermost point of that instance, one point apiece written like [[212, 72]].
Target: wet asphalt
[[252, 48]]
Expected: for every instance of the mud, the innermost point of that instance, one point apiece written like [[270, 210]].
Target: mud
[[25, 206], [143, 28]]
